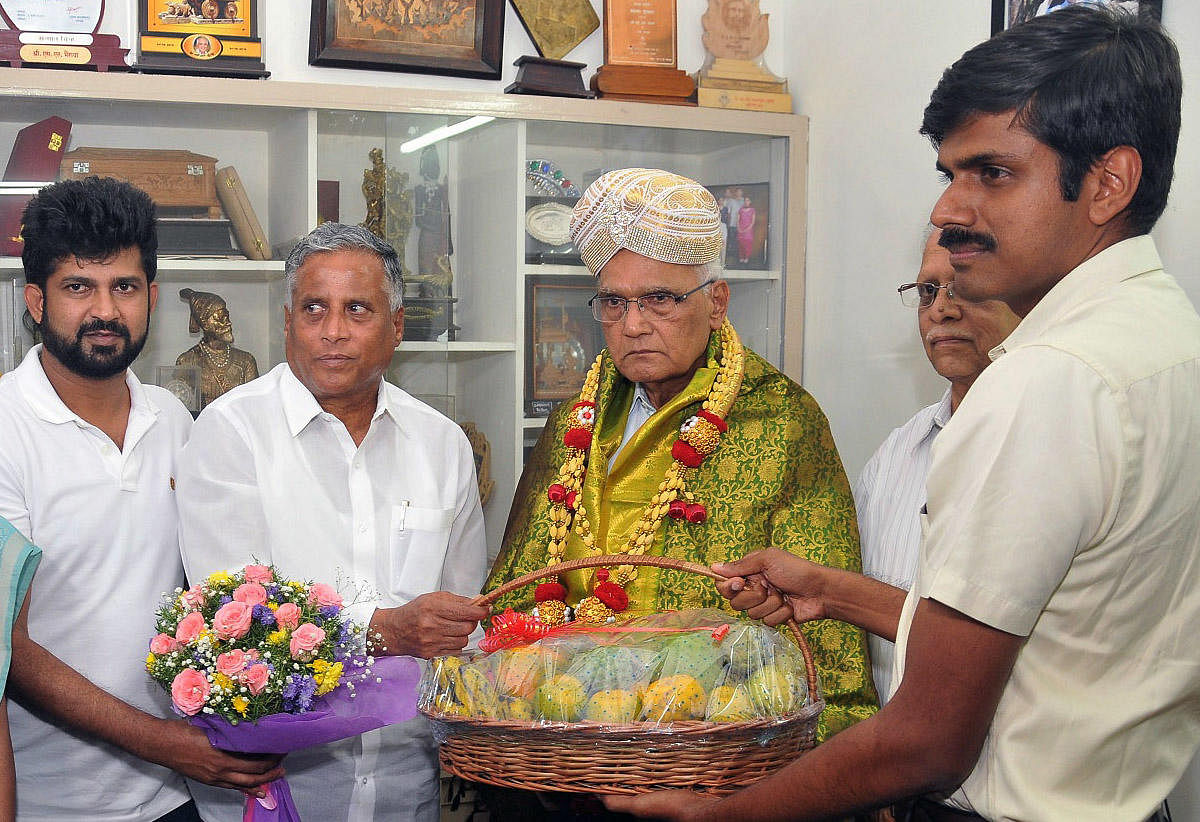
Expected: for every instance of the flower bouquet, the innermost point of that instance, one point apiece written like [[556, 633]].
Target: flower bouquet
[[264, 664]]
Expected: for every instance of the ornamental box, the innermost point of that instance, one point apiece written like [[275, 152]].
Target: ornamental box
[[181, 183]]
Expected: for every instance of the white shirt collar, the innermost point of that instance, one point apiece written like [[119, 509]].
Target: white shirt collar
[[1120, 261], [640, 397], [44, 401], [300, 407]]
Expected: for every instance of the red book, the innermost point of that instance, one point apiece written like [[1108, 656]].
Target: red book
[[38, 150]]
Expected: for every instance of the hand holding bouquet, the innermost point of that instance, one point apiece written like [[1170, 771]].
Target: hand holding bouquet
[[264, 664]]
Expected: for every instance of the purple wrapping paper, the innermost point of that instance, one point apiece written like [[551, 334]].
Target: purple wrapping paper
[[333, 716]]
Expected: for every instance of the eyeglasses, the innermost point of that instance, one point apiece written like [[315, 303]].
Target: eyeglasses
[[923, 294], [609, 308]]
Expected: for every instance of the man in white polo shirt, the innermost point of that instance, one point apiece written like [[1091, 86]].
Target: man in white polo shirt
[[87, 458]]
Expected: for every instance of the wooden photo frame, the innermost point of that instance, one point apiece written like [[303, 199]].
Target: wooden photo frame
[[561, 339], [1007, 13], [745, 211], [464, 38]]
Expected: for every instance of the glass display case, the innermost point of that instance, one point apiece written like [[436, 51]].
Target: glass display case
[[475, 191]]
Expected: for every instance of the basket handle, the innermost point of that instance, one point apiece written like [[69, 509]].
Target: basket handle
[[612, 561]]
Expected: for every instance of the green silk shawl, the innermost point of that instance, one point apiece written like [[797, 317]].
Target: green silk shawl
[[775, 480]]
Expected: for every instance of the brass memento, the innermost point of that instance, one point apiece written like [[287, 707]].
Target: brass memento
[[556, 26], [735, 74], [222, 366], [389, 204]]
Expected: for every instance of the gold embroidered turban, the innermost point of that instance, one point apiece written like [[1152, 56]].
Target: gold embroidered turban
[[654, 213], [202, 304]]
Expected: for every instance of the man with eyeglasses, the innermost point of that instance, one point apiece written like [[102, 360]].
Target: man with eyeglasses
[[693, 447], [957, 335]]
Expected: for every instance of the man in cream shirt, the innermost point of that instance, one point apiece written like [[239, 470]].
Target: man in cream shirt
[[329, 472]]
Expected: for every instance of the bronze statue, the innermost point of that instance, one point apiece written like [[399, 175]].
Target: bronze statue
[[222, 366], [389, 204]]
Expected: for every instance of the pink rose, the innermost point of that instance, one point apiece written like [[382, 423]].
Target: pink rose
[[256, 677], [252, 654], [232, 620], [163, 644], [232, 662], [190, 627], [189, 690], [193, 597], [251, 593], [258, 573], [323, 595], [288, 615], [305, 640]]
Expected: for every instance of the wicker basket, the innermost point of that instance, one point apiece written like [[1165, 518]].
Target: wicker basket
[[585, 757]]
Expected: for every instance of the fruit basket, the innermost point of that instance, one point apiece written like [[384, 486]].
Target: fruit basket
[[620, 756]]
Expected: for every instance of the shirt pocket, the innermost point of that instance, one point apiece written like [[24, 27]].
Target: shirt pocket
[[417, 544]]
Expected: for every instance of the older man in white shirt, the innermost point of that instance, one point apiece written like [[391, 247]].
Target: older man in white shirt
[[957, 335], [331, 473]]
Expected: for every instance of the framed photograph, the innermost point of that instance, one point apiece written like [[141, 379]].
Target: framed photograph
[[459, 37], [745, 210], [1007, 13], [218, 37], [561, 339]]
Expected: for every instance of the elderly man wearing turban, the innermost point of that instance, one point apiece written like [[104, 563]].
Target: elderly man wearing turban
[[682, 443]]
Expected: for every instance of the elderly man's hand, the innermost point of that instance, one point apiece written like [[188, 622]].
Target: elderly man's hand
[[773, 585], [434, 624], [677, 806], [185, 749]]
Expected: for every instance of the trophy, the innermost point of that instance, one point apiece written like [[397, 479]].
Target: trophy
[[735, 74], [555, 27], [640, 54], [46, 34], [217, 37]]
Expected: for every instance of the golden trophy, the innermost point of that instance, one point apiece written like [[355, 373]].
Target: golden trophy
[[735, 74]]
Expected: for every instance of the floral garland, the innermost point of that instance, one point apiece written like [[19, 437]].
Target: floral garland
[[700, 435]]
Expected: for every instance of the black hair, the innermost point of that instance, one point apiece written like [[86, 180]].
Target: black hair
[[1082, 81], [92, 219]]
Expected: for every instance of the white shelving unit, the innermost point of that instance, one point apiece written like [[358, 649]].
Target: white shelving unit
[[284, 137]]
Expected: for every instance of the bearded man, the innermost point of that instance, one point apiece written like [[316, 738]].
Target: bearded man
[[682, 443], [87, 465]]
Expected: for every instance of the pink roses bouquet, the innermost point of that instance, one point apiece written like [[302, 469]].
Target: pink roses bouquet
[[246, 645]]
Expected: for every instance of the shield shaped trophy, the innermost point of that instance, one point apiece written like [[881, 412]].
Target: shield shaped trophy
[[48, 33]]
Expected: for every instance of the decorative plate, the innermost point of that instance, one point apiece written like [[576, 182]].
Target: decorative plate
[[544, 178], [549, 223]]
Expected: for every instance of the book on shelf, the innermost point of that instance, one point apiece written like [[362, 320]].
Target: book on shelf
[[246, 228]]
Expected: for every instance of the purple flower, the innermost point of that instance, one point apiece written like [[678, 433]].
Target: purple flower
[[330, 611], [298, 693], [273, 592], [264, 615], [225, 600]]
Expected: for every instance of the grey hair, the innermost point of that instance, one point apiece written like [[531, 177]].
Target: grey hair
[[711, 270], [338, 237]]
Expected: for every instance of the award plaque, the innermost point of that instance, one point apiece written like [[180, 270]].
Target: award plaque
[[51, 33], [734, 74], [215, 37], [555, 27], [640, 55]]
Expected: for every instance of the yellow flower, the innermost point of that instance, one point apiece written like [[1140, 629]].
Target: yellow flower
[[222, 681], [240, 704], [327, 675], [205, 635], [149, 661], [279, 637], [273, 605], [219, 578]]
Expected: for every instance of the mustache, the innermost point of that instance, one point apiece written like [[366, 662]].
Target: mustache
[[956, 236], [110, 326]]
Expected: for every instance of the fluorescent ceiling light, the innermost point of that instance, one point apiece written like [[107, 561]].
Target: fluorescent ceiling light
[[442, 133]]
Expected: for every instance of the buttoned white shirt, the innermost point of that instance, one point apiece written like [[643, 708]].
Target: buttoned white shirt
[[268, 475], [105, 520], [1064, 507], [888, 496], [640, 411]]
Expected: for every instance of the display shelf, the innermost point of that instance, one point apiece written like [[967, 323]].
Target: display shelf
[[285, 137]]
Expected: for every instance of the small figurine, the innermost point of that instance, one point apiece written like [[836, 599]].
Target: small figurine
[[222, 366]]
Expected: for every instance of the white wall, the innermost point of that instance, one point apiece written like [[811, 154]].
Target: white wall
[[862, 70]]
